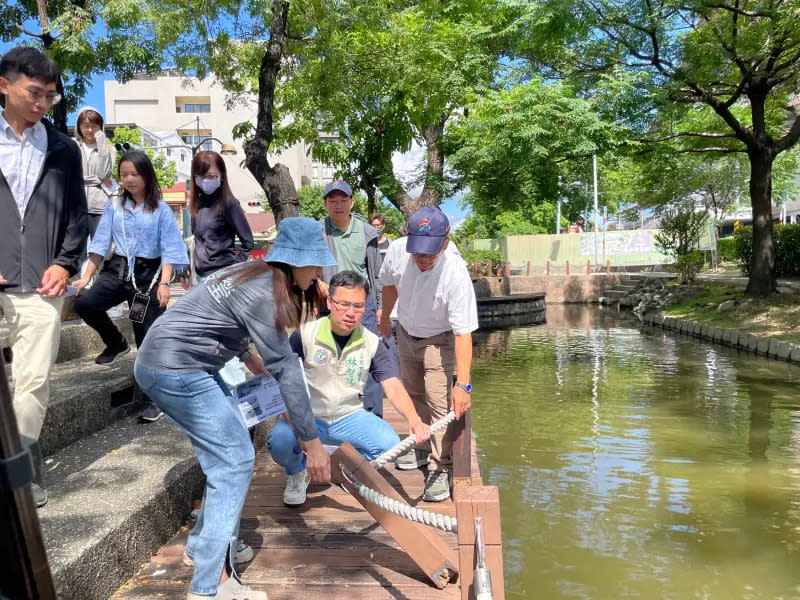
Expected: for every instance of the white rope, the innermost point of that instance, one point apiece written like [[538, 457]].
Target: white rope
[[410, 441], [399, 508]]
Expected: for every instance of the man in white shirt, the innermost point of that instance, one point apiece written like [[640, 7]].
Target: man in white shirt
[[436, 314]]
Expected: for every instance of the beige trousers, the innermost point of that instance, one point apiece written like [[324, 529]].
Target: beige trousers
[[427, 366], [35, 324]]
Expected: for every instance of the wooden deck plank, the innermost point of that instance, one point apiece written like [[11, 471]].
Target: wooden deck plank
[[329, 548]]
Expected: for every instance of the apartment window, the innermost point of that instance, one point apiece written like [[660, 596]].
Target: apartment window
[[197, 108], [192, 140], [169, 152]]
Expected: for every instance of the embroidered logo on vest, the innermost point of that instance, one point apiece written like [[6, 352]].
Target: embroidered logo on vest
[[322, 357]]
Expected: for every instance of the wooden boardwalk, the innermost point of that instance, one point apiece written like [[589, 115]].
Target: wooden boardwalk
[[329, 548]]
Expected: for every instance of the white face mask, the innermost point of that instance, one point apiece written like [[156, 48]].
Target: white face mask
[[208, 186]]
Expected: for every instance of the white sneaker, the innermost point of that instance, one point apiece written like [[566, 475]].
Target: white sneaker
[[295, 492], [243, 554], [232, 590]]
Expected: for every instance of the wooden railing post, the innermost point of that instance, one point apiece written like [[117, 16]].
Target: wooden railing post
[[548, 268], [588, 267], [489, 268], [462, 450], [608, 267], [528, 270], [474, 268], [471, 502], [567, 267]]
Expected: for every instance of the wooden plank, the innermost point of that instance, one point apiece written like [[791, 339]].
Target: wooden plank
[[484, 502], [462, 450], [436, 559]]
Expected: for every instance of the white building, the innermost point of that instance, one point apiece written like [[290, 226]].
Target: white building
[[173, 109]]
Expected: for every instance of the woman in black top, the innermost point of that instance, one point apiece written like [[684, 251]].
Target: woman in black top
[[217, 217]]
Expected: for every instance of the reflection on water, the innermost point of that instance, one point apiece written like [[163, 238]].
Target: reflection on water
[[638, 464]]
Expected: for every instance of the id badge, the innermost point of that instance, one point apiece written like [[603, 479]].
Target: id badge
[[139, 307]]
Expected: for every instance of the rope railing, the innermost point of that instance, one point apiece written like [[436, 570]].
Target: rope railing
[[410, 441]]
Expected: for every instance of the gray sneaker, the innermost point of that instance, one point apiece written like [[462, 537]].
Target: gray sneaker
[[413, 459], [437, 486]]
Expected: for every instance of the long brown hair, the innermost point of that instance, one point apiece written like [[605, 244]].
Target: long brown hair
[[201, 163], [141, 162], [290, 302]]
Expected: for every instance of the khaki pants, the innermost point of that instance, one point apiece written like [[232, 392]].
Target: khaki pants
[[35, 331], [426, 367]]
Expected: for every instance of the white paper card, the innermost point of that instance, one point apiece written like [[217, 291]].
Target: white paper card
[[259, 399]]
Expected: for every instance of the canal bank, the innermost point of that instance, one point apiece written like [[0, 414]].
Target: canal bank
[[635, 462]]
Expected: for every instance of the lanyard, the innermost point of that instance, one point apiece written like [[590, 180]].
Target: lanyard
[[131, 274]]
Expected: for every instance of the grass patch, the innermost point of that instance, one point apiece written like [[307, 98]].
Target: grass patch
[[777, 316]]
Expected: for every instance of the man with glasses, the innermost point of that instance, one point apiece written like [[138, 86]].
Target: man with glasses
[[43, 230], [437, 314], [338, 355]]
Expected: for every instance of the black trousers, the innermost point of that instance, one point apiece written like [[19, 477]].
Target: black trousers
[[109, 289]]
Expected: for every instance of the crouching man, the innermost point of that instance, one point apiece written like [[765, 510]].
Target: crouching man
[[339, 354]]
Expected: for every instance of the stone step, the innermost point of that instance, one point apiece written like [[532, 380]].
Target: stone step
[[114, 498], [615, 294], [627, 287], [85, 397]]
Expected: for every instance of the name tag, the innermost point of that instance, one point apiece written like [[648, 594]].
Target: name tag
[[259, 399]]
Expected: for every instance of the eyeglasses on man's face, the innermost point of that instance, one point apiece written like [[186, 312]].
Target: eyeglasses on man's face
[[342, 305], [37, 94]]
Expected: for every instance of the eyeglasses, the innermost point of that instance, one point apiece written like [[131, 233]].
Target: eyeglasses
[[38, 94], [359, 307]]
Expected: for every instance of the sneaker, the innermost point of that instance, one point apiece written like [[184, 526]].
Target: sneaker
[[39, 495], [437, 486], [231, 589], [413, 459], [151, 413], [295, 492], [243, 554], [108, 356]]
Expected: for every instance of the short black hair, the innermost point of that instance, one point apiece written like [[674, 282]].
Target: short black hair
[[348, 279], [24, 60]]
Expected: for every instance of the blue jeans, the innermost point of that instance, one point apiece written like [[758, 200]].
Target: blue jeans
[[369, 434], [202, 407]]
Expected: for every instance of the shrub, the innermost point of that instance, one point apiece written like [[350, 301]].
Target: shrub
[[786, 244], [688, 265], [726, 249], [483, 257]]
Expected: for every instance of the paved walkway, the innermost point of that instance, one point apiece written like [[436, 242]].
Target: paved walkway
[[329, 548]]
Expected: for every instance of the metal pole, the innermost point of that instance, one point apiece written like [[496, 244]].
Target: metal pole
[[24, 572], [594, 175], [558, 207]]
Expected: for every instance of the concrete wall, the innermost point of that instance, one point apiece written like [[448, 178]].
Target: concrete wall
[[559, 288]]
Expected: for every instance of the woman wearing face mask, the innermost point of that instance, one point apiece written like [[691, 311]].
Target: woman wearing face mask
[[217, 220], [177, 367], [378, 221], [147, 244]]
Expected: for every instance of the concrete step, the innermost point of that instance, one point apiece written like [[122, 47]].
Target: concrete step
[[85, 397], [615, 294], [626, 287], [115, 497]]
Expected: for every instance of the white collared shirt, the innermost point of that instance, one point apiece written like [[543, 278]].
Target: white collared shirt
[[434, 301], [21, 160]]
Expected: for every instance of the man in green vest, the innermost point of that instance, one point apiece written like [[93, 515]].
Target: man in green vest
[[339, 354]]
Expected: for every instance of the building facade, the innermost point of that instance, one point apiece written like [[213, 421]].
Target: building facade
[[177, 112]]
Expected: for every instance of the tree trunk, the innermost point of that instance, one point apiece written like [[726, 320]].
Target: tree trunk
[[762, 275], [275, 181], [60, 109], [434, 169]]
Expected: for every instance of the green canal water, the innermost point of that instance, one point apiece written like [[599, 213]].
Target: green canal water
[[638, 464]]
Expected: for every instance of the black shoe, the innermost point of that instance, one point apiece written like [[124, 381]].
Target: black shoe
[[108, 356], [151, 413], [39, 495]]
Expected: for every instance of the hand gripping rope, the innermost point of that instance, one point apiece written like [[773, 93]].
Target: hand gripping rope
[[409, 442], [399, 508]]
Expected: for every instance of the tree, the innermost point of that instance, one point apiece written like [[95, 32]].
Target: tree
[[67, 31], [737, 59], [166, 171], [680, 237]]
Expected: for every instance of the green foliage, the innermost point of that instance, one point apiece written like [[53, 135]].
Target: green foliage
[[166, 171], [726, 249], [484, 257], [688, 266], [680, 232], [786, 239]]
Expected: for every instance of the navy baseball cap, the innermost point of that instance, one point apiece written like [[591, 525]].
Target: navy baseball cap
[[338, 184], [428, 228]]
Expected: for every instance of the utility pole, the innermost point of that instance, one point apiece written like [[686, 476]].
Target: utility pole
[[594, 174], [558, 207]]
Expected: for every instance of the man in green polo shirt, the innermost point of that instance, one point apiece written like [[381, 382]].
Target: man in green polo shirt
[[354, 244]]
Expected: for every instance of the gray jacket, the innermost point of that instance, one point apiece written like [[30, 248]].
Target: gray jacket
[[374, 258], [98, 165], [54, 228]]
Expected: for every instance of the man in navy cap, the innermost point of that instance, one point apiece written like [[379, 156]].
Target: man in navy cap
[[437, 314], [354, 244]]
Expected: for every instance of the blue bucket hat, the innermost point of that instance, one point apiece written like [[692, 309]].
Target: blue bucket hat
[[299, 243], [428, 228]]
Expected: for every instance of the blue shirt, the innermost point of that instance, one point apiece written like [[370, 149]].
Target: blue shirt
[[149, 234]]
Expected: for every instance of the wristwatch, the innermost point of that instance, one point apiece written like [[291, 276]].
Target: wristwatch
[[466, 387]]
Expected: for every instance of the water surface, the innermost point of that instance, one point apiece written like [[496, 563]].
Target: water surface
[[638, 464]]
